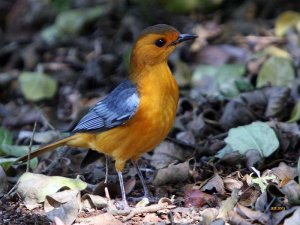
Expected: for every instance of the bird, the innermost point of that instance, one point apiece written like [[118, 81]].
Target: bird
[[139, 113]]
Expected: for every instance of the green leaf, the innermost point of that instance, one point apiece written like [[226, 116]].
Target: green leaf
[[45, 185], [263, 182], [5, 136], [188, 6], [37, 86], [295, 116], [285, 21], [16, 150], [222, 80], [71, 23], [257, 135], [182, 6], [276, 71], [243, 85], [7, 162], [61, 5], [275, 51], [224, 151]]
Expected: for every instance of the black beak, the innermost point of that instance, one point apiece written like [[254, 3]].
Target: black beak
[[184, 37]]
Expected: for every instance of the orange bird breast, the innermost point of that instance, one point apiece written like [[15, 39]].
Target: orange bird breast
[[155, 115]]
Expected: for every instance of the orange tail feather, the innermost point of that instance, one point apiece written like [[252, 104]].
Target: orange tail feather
[[47, 148]]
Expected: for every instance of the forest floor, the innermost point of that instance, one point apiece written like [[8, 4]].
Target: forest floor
[[232, 156]]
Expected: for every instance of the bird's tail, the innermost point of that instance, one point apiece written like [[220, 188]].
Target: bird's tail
[[46, 148]]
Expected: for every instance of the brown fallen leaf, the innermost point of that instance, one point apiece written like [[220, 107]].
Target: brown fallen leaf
[[251, 214], [222, 54], [249, 196], [186, 137], [197, 198], [242, 109], [279, 217], [172, 174], [197, 124], [216, 183], [151, 218], [285, 173], [235, 218], [228, 205], [292, 191], [294, 219], [103, 219], [209, 215], [89, 201], [167, 153], [262, 42], [262, 202], [65, 205], [213, 55], [231, 183], [43, 186]]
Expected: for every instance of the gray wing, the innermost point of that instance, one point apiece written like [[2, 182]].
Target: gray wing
[[114, 110]]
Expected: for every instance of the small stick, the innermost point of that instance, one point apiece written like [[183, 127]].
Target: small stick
[[30, 147], [147, 209], [110, 205]]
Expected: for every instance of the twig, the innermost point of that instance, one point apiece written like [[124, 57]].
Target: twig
[[146, 209], [30, 147], [110, 205]]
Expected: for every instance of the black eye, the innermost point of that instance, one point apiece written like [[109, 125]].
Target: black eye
[[160, 42]]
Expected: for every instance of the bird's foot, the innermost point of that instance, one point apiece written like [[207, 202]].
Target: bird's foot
[[120, 208], [124, 205]]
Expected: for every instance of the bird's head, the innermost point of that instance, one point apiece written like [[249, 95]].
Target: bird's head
[[155, 44]]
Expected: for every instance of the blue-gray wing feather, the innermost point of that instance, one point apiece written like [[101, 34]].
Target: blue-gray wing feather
[[114, 110]]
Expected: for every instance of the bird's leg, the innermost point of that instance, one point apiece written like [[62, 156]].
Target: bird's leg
[[106, 169], [124, 201], [147, 193]]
